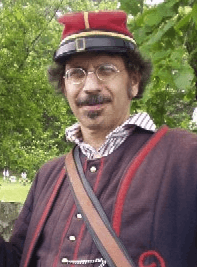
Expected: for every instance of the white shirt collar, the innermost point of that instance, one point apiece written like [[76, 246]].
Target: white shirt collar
[[113, 140]]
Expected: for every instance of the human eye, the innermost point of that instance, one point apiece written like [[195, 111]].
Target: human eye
[[76, 73], [106, 70]]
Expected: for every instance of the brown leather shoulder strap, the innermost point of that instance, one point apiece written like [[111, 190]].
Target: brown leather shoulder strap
[[111, 247]]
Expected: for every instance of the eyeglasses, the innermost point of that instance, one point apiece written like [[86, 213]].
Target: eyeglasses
[[104, 73]]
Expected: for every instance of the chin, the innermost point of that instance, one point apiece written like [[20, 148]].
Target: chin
[[93, 119], [93, 115], [93, 123]]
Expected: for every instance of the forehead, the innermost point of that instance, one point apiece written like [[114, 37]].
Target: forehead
[[94, 59]]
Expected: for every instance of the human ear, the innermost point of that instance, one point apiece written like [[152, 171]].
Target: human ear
[[134, 84], [134, 90]]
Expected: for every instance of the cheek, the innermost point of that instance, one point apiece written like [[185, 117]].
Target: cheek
[[70, 93], [70, 100]]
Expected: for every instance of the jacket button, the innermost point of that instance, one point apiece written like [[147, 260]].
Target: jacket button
[[72, 238], [93, 169], [64, 260], [79, 216]]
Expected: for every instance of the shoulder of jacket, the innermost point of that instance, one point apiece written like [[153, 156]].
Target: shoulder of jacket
[[54, 162], [178, 134], [180, 141]]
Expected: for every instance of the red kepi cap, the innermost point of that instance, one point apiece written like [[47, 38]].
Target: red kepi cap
[[94, 31]]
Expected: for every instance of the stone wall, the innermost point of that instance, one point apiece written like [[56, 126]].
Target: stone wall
[[9, 212]]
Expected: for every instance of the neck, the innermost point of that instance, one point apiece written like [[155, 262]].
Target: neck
[[94, 138]]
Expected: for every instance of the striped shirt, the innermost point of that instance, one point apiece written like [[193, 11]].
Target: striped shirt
[[113, 140]]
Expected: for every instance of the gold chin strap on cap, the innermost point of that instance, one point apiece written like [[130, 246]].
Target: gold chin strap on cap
[[97, 33], [86, 20]]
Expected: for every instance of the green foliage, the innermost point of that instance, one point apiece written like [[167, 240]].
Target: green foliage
[[166, 33], [33, 117], [29, 108], [132, 7], [87, 5]]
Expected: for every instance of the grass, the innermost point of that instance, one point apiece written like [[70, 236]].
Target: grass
[[13, 192]]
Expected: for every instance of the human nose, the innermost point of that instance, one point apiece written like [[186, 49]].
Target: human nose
[[92, 83]]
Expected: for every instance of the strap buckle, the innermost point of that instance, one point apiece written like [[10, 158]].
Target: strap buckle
[[80, 44]]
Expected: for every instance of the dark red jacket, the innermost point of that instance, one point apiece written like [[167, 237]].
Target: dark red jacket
[[158, 223]]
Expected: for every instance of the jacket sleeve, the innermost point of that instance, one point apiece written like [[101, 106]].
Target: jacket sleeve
[[7, 257], [10, 252]]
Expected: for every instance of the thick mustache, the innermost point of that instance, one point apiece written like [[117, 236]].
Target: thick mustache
[[92, 100]]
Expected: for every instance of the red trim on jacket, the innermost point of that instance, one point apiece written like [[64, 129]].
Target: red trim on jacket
[[151, 253], [99, 175], [135, 164], [121, 195], [44, 216], [64, 234], [80, 236]]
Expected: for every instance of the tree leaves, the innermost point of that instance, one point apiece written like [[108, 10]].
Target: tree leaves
[[33, 117], [132, 7], [194, 14], [184, 78], [166, 33], [156, 36]]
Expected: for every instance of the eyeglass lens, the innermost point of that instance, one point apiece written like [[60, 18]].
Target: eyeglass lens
[[104, 73]]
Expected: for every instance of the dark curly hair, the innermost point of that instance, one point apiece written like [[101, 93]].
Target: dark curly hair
[[133, 60]]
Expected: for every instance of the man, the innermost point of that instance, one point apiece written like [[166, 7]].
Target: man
[[144, 181]]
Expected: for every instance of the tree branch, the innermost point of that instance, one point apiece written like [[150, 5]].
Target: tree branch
[[30, 48]]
